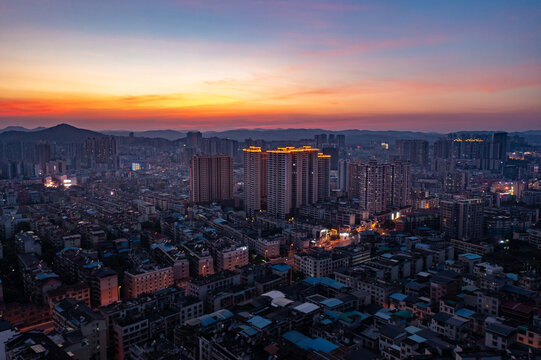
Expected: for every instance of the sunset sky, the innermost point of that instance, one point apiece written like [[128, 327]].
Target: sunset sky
[[214, 65]]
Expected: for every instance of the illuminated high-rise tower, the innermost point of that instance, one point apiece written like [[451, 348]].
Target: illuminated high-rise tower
[[255, 180], [304, 176], [280, 182], [294, 177]]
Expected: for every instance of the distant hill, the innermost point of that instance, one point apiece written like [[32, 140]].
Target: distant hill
[[531, 136], [352, 136], [14, 128], [61, 134], [20, 128], [64, 134], [164, 134]]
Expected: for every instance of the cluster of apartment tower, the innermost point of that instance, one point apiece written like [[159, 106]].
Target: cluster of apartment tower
[[285, 179], [282, 180]]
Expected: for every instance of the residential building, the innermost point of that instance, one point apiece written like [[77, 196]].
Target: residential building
[[211, 178]]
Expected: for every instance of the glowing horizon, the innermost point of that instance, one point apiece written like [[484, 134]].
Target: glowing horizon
[[293, 64]]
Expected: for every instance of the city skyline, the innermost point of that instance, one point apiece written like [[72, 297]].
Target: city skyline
[[211, 66], [270, 179]]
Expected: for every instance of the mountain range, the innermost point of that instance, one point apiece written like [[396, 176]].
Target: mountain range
[[60, 134], [64, 133], [20, 128]]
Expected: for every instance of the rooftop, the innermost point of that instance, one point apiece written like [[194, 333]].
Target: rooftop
[[306, 307], [306, 343]]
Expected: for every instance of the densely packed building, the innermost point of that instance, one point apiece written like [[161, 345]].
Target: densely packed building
[[198, 248]]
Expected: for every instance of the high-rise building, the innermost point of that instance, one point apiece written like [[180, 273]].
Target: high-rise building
[[380, 187], [455, 182], [331, 138], [324, 177], [211, 178], [367, 182], [335, 155], [43, 154], [343, 175], [304, 176], [280, 182], [499, 147], [442, 148], [215, 145], [102, 152], [399, 177], [194, 139], [293, 178], [255, 179], [414, 151], [487, 152], [462, 219], [341, 141], [320, 139]]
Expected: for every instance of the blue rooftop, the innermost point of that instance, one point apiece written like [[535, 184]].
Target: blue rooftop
[[207, 320], [259, 322], [325, 281], [332, 314], [398, 296], [93, 265], [465, 313], [417, 338], [223, 314], [220, 221], [216, 316], [321, 344], [422, 305], [43, 276], [384, 313], [412, 329], [295, 336], [332, 302], [248, 330], [470, 256], [307, 343], [281, 267]]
